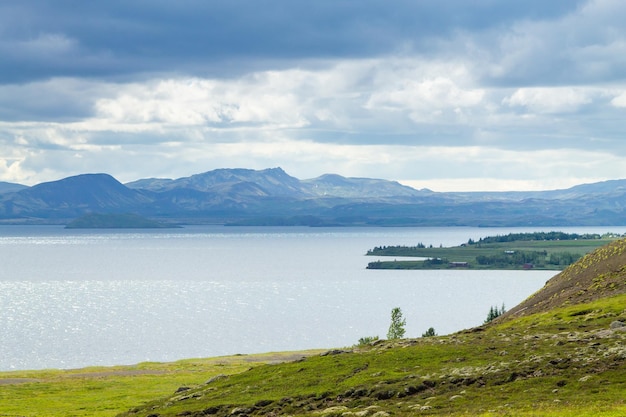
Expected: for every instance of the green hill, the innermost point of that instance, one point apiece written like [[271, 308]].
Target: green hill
[[599, 274], [562, 352]]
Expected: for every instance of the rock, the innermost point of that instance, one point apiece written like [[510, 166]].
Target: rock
[[334, 410], [618, 325], [263, 403], [385, 395], [216, 378], [334, 352], [380, 414], [182, 389], [240, 410]]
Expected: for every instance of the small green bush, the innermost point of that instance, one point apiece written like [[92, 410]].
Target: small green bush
[[367, 340], [429, 333]]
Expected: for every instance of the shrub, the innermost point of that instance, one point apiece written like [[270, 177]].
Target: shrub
[[429, 333], [367, 340]]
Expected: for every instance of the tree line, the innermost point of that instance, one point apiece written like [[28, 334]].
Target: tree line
[[537, 258], [512, 237]]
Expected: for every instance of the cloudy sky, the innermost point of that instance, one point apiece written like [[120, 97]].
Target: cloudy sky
[[446, 94]]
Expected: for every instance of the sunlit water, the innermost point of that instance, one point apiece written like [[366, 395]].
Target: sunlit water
[[73, 298]]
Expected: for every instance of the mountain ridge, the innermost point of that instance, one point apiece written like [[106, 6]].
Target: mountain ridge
[[271, 196]]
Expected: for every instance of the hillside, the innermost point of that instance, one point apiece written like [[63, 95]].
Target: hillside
[[564, 357], [7, 187], [71, 197], [599, 274], [273, 197]]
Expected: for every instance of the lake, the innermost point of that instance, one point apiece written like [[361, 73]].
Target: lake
[[75, 298]]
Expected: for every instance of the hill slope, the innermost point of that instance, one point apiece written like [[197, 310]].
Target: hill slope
[[565, 361], [71, 197], [599, 274], [8, 187]]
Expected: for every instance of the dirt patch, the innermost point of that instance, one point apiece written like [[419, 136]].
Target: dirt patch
[[120, 372], [270, 358], [280, 357], [13, 381]]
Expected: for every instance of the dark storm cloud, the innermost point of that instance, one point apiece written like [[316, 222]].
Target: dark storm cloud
[[43, 39]]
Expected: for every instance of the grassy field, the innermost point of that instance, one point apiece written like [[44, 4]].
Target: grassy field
[[545, 254], [108, 391]]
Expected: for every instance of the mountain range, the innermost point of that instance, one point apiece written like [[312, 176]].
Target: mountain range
[[272, 197]]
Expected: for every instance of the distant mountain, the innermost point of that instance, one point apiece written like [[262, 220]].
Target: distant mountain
[[267, 182], [72, 197], [332, 185], [272, 197], [8, 187]]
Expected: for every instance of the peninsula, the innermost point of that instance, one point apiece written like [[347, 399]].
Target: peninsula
[[539, 250], [116, 221]]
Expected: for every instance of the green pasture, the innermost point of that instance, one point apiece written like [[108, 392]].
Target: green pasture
[[469, 253], [108, 391]]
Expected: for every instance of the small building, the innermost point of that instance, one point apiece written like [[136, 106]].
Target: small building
[[459, 264]]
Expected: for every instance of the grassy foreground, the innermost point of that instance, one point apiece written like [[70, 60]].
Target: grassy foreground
[[108, 391]]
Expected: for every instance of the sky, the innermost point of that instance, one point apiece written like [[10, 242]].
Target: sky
[[449, 95]]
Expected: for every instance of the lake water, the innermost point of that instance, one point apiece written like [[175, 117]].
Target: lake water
[[75, 298]]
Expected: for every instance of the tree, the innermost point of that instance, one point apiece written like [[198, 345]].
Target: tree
[[429, 333], [494, 312], [396, 329]]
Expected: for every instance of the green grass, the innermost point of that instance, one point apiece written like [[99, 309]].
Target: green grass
[[564, 362], [108, 391]]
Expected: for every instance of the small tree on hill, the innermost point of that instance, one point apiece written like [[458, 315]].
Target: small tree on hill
[[495, 312], [429, 333], [396, 328]]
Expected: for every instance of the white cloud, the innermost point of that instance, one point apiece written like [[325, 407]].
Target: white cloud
[[426, 100], [351, 95], [550, 99], [619, 100]]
